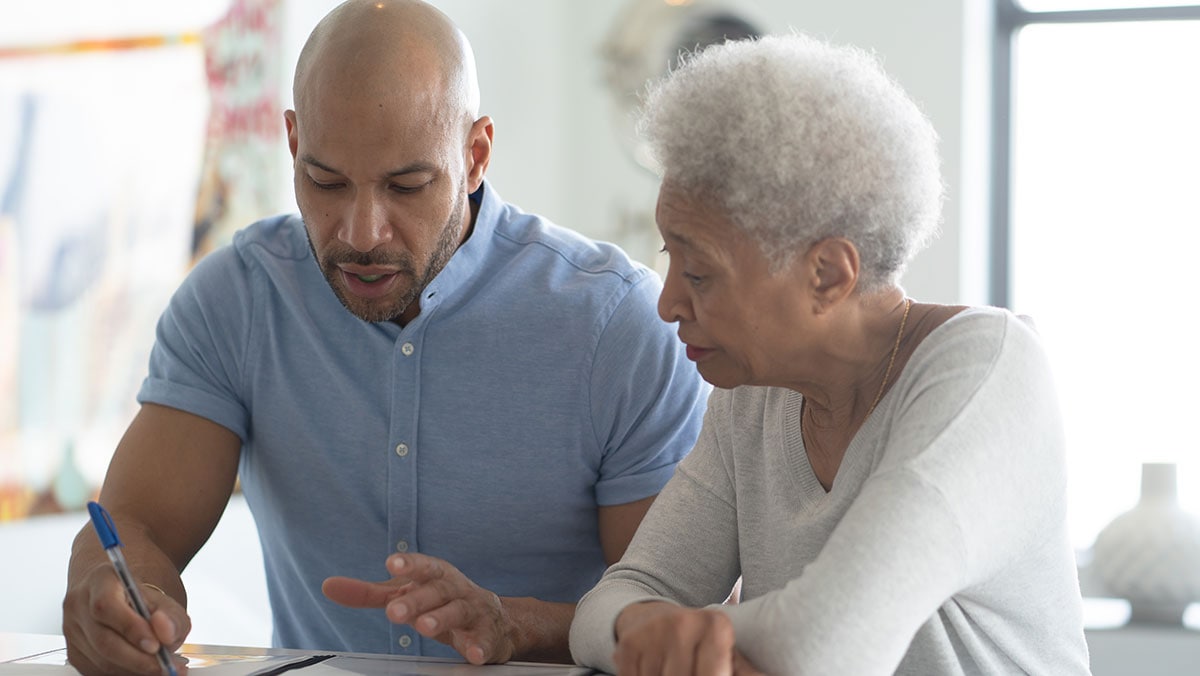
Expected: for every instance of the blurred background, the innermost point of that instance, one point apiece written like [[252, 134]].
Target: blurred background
[[138, 135]]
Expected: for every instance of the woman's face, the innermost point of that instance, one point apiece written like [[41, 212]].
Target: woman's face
[[741, 324]]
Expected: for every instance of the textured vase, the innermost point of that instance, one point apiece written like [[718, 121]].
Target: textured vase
[[1150, 555]]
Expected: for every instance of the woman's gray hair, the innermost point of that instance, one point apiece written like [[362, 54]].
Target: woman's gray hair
[[796, 140]]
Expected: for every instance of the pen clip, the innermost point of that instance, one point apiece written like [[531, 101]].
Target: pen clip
[[104, 525]]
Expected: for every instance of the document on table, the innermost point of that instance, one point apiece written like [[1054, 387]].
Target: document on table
[[383, 666], [214, 664]]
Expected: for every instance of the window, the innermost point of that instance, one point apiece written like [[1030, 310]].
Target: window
[[1096, 229]]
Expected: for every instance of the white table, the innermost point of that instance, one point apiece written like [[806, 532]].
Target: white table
[[46, 655]]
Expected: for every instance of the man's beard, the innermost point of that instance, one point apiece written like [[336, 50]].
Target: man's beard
[[381, 310]]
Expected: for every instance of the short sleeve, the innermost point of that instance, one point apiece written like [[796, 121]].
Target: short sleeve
[[199, 353], [647, 399]]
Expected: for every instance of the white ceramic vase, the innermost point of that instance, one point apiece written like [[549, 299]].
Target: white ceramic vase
[[1150, 555]]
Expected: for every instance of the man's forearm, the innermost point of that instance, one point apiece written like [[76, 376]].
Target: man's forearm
[[541, 629]]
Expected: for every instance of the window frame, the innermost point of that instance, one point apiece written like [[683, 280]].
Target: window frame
[[1009, 19]]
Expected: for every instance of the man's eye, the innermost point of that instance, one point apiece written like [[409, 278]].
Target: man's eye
[[694, 280], [323, 186], [405, 189]]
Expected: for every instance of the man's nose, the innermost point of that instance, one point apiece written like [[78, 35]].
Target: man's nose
[[365, 227]]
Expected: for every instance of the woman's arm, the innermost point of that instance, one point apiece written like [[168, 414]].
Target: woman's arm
[[685, 550]]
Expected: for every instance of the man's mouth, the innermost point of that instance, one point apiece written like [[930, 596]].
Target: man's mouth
[[370, 285]]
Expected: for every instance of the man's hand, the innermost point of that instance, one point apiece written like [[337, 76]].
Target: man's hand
[[662, 638], [437, 600], [105, 635]]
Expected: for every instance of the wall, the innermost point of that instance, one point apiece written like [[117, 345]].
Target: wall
[[594, 186]]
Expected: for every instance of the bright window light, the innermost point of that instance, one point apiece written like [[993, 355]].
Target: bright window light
[[1105, 245], [1071, 5]]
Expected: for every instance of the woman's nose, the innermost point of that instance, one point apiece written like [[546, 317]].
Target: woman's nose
[[673, 303]]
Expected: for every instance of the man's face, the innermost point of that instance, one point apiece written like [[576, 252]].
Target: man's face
[[382, 190]]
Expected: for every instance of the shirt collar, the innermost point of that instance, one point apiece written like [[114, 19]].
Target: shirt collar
[[471, 257]]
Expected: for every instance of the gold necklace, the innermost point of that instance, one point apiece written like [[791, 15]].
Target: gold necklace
[[892, 360]]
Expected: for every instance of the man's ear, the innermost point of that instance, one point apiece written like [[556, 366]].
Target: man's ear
[[479, 151], [289, 121], [833, 265]]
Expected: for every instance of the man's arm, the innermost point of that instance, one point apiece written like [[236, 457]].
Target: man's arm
[[166, 488], [618, 523], [543, 628], [441, 603]]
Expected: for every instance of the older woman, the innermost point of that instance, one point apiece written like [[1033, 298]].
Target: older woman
[[885, 475]]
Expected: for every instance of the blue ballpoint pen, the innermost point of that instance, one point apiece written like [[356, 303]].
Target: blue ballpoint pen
[[112, 546]]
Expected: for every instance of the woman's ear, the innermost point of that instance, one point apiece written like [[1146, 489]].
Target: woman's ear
[[833, 270]]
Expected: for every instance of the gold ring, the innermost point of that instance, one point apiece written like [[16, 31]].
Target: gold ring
[[155, 588]]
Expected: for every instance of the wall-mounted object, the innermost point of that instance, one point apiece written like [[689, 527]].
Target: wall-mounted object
[[646, 41]]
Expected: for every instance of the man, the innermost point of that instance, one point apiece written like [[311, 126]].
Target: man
[[495, 411]]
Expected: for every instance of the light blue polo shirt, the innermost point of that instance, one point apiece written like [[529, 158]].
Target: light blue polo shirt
[[537, 383]]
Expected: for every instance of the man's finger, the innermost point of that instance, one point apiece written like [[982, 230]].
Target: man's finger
[[111, 609], [167, 629], [420, 598], [168, 620], [116, 655], [419, 567], [455, 614], [476, 649], [359, 593], [476, 653]]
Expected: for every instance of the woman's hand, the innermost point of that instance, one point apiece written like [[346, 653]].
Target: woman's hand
[[661, 638]]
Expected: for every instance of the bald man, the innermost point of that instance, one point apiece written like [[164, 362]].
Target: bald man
[[448, 416]]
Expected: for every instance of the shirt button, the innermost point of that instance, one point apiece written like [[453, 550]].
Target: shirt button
[[405, 641], [402, 546], [407, 349], [402, 450]]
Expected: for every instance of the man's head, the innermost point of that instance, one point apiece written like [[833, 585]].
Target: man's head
[[386, 149]]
